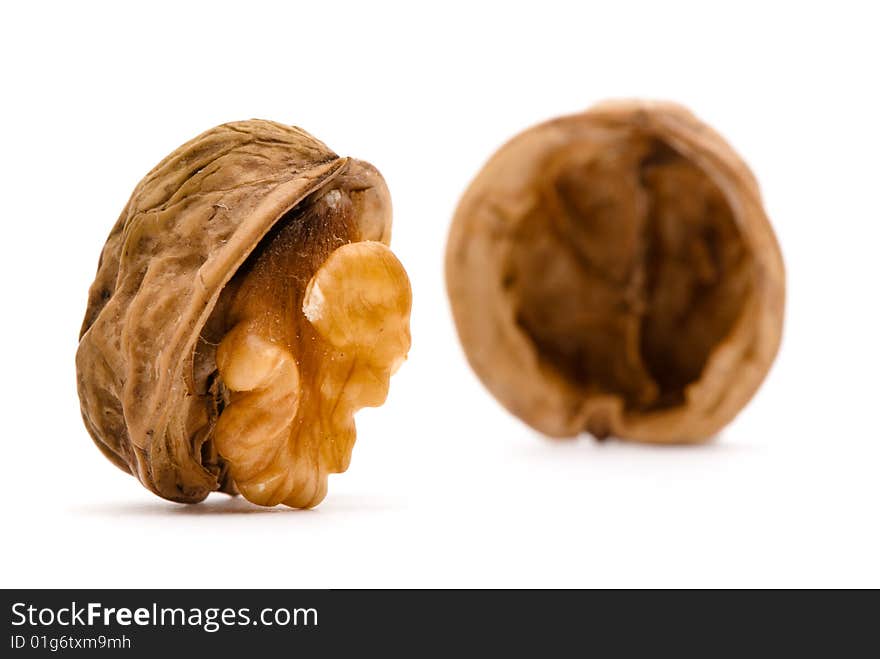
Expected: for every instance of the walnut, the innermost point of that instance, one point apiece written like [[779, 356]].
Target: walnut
[[614, 272], [246, 305]]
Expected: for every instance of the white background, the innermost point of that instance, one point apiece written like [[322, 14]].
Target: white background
[[445, 488]]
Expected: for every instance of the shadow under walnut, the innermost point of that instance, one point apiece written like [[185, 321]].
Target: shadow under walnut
[[246, 305], [614, 272]]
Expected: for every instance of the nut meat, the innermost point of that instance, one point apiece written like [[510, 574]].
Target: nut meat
[[246, 305], [615, 272]]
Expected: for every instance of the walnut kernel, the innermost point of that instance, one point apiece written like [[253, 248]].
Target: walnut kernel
[[246, 305]]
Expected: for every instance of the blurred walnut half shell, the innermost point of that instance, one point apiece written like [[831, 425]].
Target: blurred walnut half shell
[[246, 305], [614, 272]]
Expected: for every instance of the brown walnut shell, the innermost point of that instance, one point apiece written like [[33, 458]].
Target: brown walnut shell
[[614, 272], [237, 221]]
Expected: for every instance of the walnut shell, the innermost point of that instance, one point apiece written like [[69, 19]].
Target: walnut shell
[[241, 198], [614, 272]]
